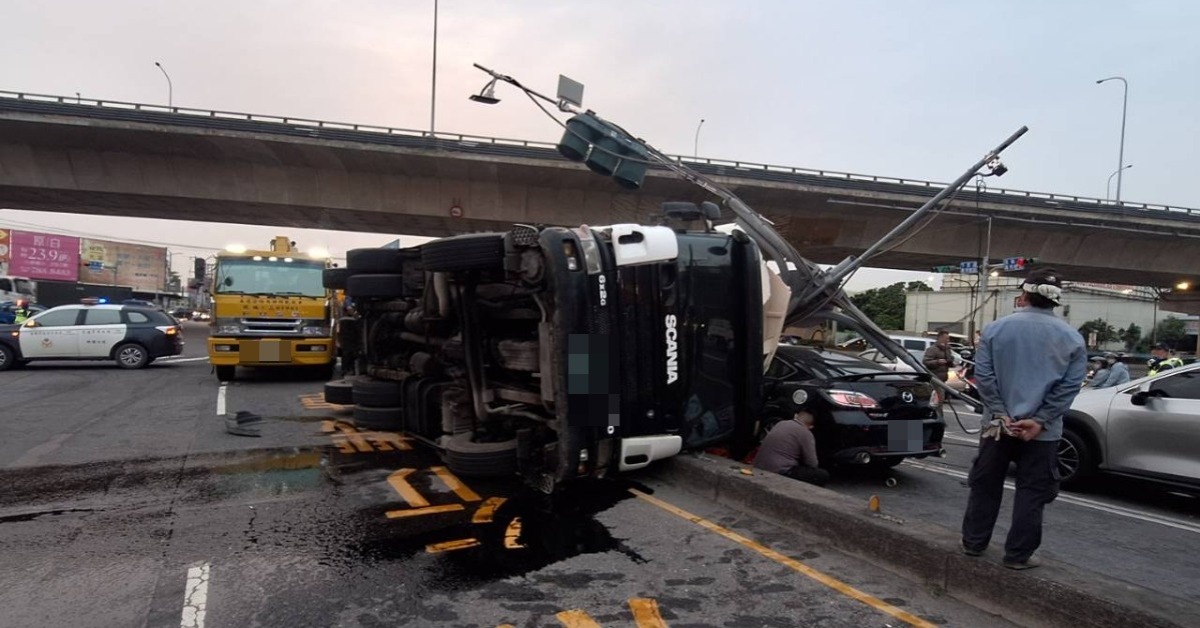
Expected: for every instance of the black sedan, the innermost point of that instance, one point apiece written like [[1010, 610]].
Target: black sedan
[[865, 413]]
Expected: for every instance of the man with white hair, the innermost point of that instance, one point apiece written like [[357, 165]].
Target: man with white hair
[[1029, 367]]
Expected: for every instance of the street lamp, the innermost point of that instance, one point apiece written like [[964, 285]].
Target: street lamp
[[1124, 109], [433, 82], [1109, 184], [170, 88], [696, 144]]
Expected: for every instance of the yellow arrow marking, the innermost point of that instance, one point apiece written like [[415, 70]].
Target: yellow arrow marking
[[645, 613], [450, 546], [406, 491], [417, 512], [576, 619], [487, 510], [454, 484], [512, 534], [829, 581], [352, 434], [327, 427]]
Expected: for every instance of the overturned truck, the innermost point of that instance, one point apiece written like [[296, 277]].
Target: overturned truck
[[564, 352]]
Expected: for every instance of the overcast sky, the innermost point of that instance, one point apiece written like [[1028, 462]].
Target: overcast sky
[[906, 89]]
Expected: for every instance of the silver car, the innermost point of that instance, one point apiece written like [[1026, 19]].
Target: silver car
[[1148, 428]]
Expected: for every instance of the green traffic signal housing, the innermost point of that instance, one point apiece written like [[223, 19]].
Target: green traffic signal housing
[[605, 150]]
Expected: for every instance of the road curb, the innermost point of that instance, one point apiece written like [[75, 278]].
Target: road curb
[[1065, 595]]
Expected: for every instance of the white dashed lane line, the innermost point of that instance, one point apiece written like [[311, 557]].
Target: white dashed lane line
[[195, 597], [1170, 522], [178, 360], [221, 400]]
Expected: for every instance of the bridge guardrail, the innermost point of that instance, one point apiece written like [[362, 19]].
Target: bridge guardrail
[[707, 165]]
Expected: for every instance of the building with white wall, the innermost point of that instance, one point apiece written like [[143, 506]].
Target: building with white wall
[[952, 307]]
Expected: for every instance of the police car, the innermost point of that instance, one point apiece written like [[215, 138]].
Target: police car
[[132, 336]]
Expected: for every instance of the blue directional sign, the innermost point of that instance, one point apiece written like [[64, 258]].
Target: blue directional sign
[[968, 268], [1016, 263], [95, 265]]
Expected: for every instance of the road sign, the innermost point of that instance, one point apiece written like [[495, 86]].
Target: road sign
[[1013, 263], [968, 268], [95, 265]]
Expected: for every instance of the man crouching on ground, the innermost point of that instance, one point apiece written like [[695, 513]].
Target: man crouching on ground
[[1028, 369], [790, 449]]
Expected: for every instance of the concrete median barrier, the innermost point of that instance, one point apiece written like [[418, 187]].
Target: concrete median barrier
[[1056, 594]]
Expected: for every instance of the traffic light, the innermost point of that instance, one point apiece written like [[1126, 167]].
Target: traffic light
[[198, 267], [605, 150]]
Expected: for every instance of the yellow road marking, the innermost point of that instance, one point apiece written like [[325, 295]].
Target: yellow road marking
[[450, 546], [576, 619], [456, 485], [344, 445], [327, 427], [354, 436], [645, 613], [506, 626], [401, 486], [487, 510], [316, 401], [512, 534], [829, 581], [388, 440], [417, 512]]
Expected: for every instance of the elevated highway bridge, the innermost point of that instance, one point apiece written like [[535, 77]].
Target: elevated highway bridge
[[65, 154]]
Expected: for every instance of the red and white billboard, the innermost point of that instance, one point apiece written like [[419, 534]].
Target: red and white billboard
[[43, 256]]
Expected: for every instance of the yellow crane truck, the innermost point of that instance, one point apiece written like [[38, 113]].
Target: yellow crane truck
[[271, 309]]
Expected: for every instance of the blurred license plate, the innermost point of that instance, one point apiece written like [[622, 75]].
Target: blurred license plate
[[905, 435]]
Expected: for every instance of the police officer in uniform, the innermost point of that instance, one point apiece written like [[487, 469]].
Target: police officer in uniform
[[22, 313], [1163, 360]]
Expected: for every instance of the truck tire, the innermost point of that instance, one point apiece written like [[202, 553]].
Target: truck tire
[[375, 286], [340, 392], [226, 373], [472, 251], [374, 260], [335, 278], [471, 459], [377, 393], [385, 419]]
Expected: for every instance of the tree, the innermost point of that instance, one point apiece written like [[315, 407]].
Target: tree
[[1130, 336], [1171, 331], [1104, 331], [885, 306]]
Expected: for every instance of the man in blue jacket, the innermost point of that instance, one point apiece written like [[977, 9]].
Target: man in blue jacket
[[1029, 367]]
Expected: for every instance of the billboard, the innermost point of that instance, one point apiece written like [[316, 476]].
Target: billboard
[[5, 243], [144, 268], [43, 256]]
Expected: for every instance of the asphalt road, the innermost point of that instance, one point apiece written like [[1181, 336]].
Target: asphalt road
[[1127, 529], [127, 504]]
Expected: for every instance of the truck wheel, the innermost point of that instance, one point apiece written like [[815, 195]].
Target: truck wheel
[[325, 371], [377, 393], [375, 286], [226, 373], [472, 251], [386, 419], [8, 358], [471, 459], [131, 356], [340, 392], [335, 278], [373, 260]]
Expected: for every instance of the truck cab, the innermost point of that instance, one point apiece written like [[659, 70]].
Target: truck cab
[[571, 352]]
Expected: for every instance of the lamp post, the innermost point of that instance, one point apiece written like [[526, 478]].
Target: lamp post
[[433, 81], [696, 143], [170, 87], [1109, 184], [1124, 109]]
